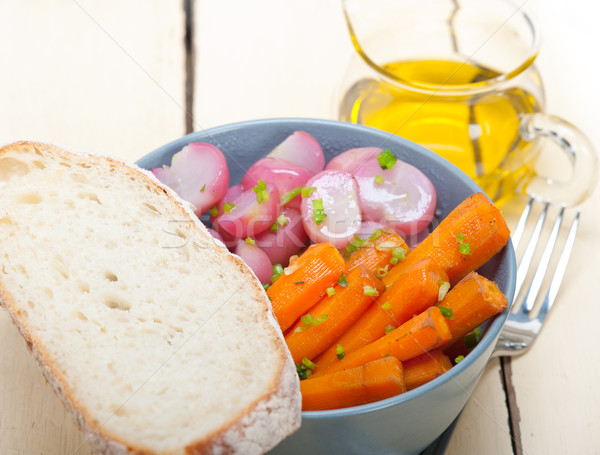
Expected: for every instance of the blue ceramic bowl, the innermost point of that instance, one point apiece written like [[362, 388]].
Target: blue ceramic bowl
[[408, 423]]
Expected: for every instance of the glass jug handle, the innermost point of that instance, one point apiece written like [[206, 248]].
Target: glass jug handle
[[579, 151]]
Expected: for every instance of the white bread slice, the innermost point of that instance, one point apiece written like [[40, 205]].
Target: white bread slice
[[156, 339]]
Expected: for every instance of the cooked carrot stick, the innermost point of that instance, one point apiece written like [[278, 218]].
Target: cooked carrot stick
[[373, 381], [422, 333], [473, 300], [414, 291], [334, 314], [465, 240], [424, 368], [304, 282], [376, 254]]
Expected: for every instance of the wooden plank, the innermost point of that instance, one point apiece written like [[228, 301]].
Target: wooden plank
[[556, 383], [91, 75], [94, 76], [483, 424], [273, 59]]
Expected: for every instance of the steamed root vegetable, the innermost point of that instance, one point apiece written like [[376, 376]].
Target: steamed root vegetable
[[333, 314], [420, 334], [330, 210], [302, 149], [232, 193], [285, 175], [414, 291], [304, 282], [198, 174], [373, 381], [379, 252], [252, 212], [256, 259], [465, 240], [284, 238], [352, 159], [395, 193], [425, 368]]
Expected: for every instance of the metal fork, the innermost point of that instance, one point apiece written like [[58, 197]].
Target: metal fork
[[521, 328]]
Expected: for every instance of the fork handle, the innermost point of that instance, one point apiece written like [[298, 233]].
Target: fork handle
[[578, 149]]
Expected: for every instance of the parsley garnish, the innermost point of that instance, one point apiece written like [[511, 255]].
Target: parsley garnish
[[261, 192], [446, 312], [339, 349], [287, 197], [308, 321]]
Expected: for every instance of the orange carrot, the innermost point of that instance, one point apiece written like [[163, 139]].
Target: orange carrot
[[424, 368], [422, 333], [412, 293], [373, 381], [376, 254], [332, 315], [465, 240], [473, 300], [304, 282]]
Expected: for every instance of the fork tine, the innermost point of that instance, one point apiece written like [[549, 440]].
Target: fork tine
[[531, 246], [540, 273], [561, 267], [518, 234]]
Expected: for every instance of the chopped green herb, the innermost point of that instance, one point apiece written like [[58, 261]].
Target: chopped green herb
[[287, 197], [307, 191], [446, 312], [375, 235], [399, 253], [318, 214], [355, 244], [228, 207], [370, 291], [339, 349], [472, 338], [203, 188], [386, 306], [261, 192], [386, 159], [306, 362], [342, 281], [277, 272], [308, 321], [389, 328], [378, 179], [214, 210], [459, 359], [387, 245], [274, 227], [330, 292], [382, 271], [304, 371], [463, 248], [387, 355], [266, 286], [298, 282], [444, 288], [282, 220], [250, 241]]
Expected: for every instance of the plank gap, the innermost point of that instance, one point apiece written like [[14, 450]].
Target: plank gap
[[190, 62], [514, 417]]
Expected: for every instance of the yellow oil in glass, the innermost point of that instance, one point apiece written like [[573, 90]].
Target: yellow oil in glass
[[478, 133]]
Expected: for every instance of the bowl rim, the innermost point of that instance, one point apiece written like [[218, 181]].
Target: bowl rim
[[493, 328]]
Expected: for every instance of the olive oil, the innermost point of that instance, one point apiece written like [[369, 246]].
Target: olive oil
[[435, 107]]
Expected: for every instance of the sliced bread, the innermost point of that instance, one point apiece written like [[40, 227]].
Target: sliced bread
[[156, 338]]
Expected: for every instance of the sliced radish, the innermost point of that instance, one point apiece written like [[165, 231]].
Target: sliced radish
[[284, 174], [251, 213], [367, 228], [285, 238], [351, 159], [331, 213], [256, 259], [302, 149], [198, 174], [401, 197], [232, 193]]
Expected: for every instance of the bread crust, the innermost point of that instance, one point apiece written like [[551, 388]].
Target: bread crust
[[255, 430]]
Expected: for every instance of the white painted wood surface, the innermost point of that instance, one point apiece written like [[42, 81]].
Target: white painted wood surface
[[109, 76]]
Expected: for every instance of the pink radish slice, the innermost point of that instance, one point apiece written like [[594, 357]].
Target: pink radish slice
[[287, 240], [351, 159], [232, 193], [367, 228], [340, 219], [302, 149], [282, 173], [401, 197], [256, 259], [249, 217], [198, 174]]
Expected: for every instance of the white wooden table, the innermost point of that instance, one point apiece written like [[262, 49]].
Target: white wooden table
[[124, 78]]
